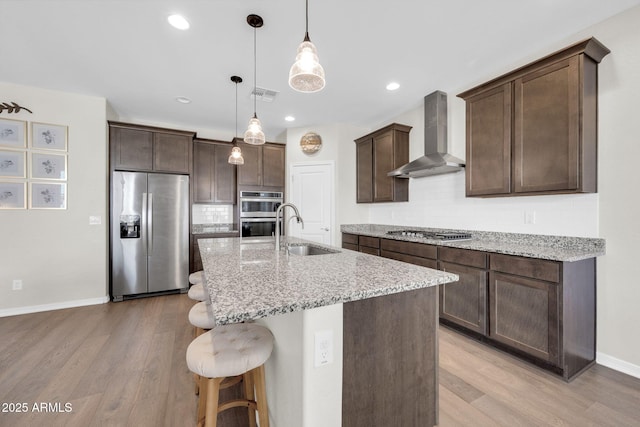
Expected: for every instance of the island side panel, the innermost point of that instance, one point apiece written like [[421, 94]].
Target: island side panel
[[390, 360]]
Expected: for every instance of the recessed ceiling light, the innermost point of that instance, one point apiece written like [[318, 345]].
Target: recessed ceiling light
[[289, 118], [179, 22], [183, 100], [393, 86]]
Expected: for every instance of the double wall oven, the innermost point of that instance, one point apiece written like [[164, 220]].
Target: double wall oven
[[258, 213]]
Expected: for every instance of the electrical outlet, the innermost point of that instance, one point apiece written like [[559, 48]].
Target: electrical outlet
[[323, 348], [530, 217], [95, 220], [17, 284]]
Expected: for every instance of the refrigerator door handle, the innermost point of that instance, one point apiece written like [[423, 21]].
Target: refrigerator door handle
[[150, 223], [145, 216]]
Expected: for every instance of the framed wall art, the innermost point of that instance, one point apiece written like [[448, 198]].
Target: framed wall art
[[48, 166], [13, 195], [45, 195], [12, 164], [48, 137], [13, 133]]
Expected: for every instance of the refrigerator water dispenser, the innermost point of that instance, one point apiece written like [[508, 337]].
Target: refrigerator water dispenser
[[129, 226]]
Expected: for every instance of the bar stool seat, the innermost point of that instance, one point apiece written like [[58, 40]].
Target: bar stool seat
[[201, 316], [196, 278], [198, 293], [230, 351]]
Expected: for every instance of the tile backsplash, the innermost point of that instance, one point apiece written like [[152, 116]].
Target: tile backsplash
[[212, 214]]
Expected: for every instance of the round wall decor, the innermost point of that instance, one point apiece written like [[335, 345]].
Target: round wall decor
[[310, 142]]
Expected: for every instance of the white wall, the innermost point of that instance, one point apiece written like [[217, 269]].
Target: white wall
[[61, 259]]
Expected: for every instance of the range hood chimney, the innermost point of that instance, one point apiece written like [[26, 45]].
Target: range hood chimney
[[436, 159]]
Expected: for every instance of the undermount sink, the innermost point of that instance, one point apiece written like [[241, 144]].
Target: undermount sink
[[305, 250]]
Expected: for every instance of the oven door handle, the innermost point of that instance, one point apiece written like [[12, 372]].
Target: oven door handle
[[272, 219], [260, 199]]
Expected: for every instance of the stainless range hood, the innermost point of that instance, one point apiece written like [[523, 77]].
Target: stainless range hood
[[436, 160]]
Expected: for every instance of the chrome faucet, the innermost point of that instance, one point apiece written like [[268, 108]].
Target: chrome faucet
[[279, 212]]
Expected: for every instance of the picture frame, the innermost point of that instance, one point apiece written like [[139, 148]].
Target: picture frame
[[13, 133], [46, 136], [47, 195], [13, 195], [48, 166], [12, 164]]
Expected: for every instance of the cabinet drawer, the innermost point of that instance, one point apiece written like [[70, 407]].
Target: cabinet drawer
[[368, 250], [371, 242], [409, 248], [425, 262], [463, 257], [350, 238], [349, 246], [526, 267]]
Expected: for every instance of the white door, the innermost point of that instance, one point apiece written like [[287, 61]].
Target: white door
[[312, 192]]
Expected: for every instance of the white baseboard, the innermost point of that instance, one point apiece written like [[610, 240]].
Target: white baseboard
[[618, 365], [55, 306]]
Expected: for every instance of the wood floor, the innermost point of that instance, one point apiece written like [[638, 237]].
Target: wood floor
[[123, 364]]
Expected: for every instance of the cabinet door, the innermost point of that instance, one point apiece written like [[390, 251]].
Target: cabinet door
[[251, 172], [547, 127], [364, 171], [203, 155], [273, 165], [488, 168], [171, 153], [131, 149], [465, 302], [524, 315], [383, 163], [224, 177]]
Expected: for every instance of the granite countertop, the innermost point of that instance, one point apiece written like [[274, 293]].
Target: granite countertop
[[555, 248], [247, 279]]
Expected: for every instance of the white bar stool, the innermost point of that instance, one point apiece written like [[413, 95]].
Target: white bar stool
[[225, 352], [201, 316], [197, 291]]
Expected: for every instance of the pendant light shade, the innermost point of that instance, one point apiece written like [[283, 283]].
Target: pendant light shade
[[306, 74], [254, 134], [236, 154]]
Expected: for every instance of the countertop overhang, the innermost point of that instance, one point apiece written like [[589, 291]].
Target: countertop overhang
[[554, 248], [247, 279]]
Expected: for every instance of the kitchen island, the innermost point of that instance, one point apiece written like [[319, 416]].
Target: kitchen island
[[381, 315]]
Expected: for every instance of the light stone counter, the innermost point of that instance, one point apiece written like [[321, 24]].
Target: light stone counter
[[247, 279], [555, 248]]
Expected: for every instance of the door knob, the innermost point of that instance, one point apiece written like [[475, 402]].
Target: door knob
[[324, 228]]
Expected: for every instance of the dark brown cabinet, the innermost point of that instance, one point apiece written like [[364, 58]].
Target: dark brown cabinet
[[264, 165], [151, 149], [377, 154], [464, 302], [543, 311], [214, 179], [534, 130]]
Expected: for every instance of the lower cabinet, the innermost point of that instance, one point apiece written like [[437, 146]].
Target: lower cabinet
[[540, 310], [524, 315], [350, 241]]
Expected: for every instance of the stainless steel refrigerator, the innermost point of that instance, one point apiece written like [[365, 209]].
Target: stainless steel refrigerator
[[149, 233]]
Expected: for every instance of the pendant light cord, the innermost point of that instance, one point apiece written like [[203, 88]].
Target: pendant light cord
[[235, 135], [306, 27]]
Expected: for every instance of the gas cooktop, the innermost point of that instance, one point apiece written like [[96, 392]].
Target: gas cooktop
[[446, 235]]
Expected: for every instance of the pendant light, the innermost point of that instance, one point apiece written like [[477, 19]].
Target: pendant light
[[236, 154], [306, 74], [254, 134]]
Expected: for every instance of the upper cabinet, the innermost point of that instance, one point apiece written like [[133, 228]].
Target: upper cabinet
[[214, 179], [264, 165], [534, 130], [151, 149], [377, 154]]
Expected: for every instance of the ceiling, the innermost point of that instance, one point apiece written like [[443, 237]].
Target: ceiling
[[124, 51]]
